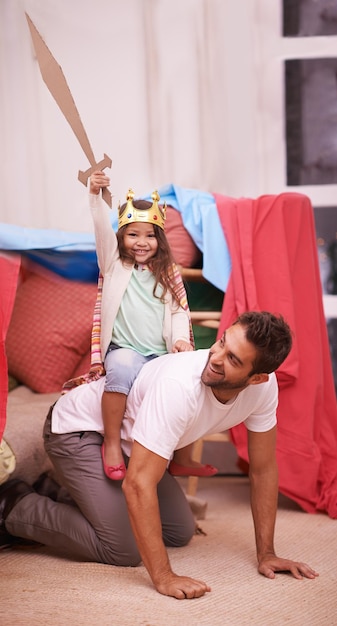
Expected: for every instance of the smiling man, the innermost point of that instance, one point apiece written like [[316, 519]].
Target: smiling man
[[175, 399], [188, 399]]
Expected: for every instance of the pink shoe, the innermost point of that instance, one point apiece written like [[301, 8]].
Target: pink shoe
[[182, 470], [114, 472]]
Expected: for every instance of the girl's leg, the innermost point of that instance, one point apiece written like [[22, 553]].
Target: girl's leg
[[113, 409], [184, 456], [122, 366], [183, 464]]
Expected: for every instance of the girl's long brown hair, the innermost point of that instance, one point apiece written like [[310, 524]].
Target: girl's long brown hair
[[161, 263]]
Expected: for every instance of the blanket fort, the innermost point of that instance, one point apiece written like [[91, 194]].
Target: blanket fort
[[263, 254], [275, 267]]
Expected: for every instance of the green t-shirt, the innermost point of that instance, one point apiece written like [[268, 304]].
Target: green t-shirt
[[140, 319]]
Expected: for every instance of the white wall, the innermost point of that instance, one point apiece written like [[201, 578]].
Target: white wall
[[149, 79], [166, 88], [182, 91]]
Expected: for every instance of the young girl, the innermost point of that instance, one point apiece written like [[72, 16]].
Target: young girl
[[141, 312]]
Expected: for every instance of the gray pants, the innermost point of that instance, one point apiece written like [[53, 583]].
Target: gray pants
[[96, 526]]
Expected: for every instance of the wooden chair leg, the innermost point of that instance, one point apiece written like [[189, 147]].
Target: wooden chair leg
[[192, 483]]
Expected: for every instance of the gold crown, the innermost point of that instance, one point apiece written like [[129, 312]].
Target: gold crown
[[153, 215]]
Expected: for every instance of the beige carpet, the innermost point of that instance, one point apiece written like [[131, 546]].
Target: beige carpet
[[39, 588]]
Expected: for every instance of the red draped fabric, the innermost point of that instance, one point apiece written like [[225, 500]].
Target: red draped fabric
[[272, 243], [9, 271]]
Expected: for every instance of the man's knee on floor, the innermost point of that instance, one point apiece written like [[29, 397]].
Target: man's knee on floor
[[129, 557], [179, 536]]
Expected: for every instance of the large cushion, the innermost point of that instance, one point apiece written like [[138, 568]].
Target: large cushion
[[50, 331], [183, 248]]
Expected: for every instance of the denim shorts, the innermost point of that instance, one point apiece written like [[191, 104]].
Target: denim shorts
[[122, 366]]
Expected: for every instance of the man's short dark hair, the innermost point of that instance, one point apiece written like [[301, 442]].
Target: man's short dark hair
[[271, 336]]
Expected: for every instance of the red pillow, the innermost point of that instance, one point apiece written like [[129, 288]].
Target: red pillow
[[183, 248], [83, 366], [50, 331]]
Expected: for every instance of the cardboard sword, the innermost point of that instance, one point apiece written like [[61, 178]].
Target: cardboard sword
[[54, 78]]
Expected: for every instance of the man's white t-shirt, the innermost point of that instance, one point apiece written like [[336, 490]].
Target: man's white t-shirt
[[169, 407]]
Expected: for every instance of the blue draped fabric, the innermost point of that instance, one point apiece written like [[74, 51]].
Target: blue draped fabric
[[200, 218], [72, 255]]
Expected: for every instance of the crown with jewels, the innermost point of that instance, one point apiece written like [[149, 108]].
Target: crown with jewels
[[153, 215]]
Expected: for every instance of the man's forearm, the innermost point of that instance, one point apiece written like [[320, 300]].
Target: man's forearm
[[264, 494], [146, 525]]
